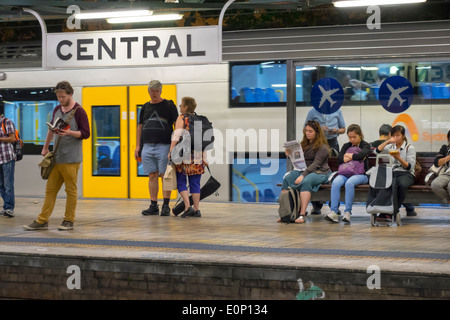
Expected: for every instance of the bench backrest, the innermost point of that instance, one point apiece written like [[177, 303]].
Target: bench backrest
[[425, 161]]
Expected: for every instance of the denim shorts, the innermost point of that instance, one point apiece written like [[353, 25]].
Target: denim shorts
[[154, 157]]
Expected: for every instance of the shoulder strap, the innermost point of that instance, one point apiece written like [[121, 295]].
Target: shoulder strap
[[72, 114]]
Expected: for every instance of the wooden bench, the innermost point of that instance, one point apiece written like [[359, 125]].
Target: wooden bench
[[419, 192]]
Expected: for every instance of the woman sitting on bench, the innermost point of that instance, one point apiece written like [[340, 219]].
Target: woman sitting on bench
[[353, 166], [443, 180], [316, 152], [404, 156]]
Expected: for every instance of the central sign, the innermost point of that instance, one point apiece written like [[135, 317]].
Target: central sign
[[138, 47]]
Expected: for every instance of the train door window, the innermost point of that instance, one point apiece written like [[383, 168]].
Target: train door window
[[106, 141], [140, 167], [257, 84]]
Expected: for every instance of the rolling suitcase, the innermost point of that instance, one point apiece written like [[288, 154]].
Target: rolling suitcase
[[380, 199]]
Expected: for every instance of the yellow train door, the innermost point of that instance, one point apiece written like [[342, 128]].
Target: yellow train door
[[109, 167], [105, 153]]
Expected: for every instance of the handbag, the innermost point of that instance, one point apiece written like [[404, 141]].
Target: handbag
[[211, 186], [353, 167], [439, 170], [170, 178], [48, 162]]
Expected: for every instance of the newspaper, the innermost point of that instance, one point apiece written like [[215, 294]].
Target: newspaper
[[296, 154]]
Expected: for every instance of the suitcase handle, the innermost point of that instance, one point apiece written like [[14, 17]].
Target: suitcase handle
[[384, 155]]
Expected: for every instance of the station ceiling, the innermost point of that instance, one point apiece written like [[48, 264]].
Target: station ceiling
[[10, 10]]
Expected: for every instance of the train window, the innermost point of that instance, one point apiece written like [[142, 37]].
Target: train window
[[106, 140], [254, 179], [258, 84], [30, 109], [264, 83]]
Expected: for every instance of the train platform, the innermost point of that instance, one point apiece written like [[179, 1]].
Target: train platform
[[234, 251]]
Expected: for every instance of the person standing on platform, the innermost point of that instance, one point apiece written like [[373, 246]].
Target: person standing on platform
[[7, 162], [154, 132], [192, 169], [68, 157]]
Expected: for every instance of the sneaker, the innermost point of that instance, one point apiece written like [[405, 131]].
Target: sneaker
[[188, 213], [66, 225], [332, 217], [346, 217], [8, 213], [36, 226], [316, 211], [153, 210], [165, 210], [197, 214]]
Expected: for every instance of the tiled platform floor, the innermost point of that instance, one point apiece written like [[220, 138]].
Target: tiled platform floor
[[234, 233]]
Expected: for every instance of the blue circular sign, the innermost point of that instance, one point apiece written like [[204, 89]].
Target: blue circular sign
[[396, 94], [327, 95]]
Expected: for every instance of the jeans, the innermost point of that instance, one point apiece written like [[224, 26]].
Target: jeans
[[350, 184], [7, 184]]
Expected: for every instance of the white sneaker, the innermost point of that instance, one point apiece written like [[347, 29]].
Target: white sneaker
[[332, 217], [8, 213], [346, 217]]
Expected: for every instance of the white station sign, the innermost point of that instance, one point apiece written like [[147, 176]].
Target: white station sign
[[138, 47]]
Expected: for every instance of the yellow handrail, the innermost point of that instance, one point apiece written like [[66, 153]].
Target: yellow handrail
[[254, 185]]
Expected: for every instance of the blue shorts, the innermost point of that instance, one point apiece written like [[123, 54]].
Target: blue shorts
[[154, 157]]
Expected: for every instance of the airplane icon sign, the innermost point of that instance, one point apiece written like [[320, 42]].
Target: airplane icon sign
[[396, 94], [327, 95]]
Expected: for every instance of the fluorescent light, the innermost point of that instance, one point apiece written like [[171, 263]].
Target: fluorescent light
[[159, 17], [283, 85], [393, 70], [349, 68], [306, 68], [112, 14], [366, 3]]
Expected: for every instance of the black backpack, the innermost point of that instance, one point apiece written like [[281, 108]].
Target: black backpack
[[207, 142]]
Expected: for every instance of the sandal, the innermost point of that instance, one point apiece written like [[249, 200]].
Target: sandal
[[300, 219]]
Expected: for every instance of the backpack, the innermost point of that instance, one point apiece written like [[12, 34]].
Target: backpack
[[352, 167], [289, 208], [18, 144], [207, 142]]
